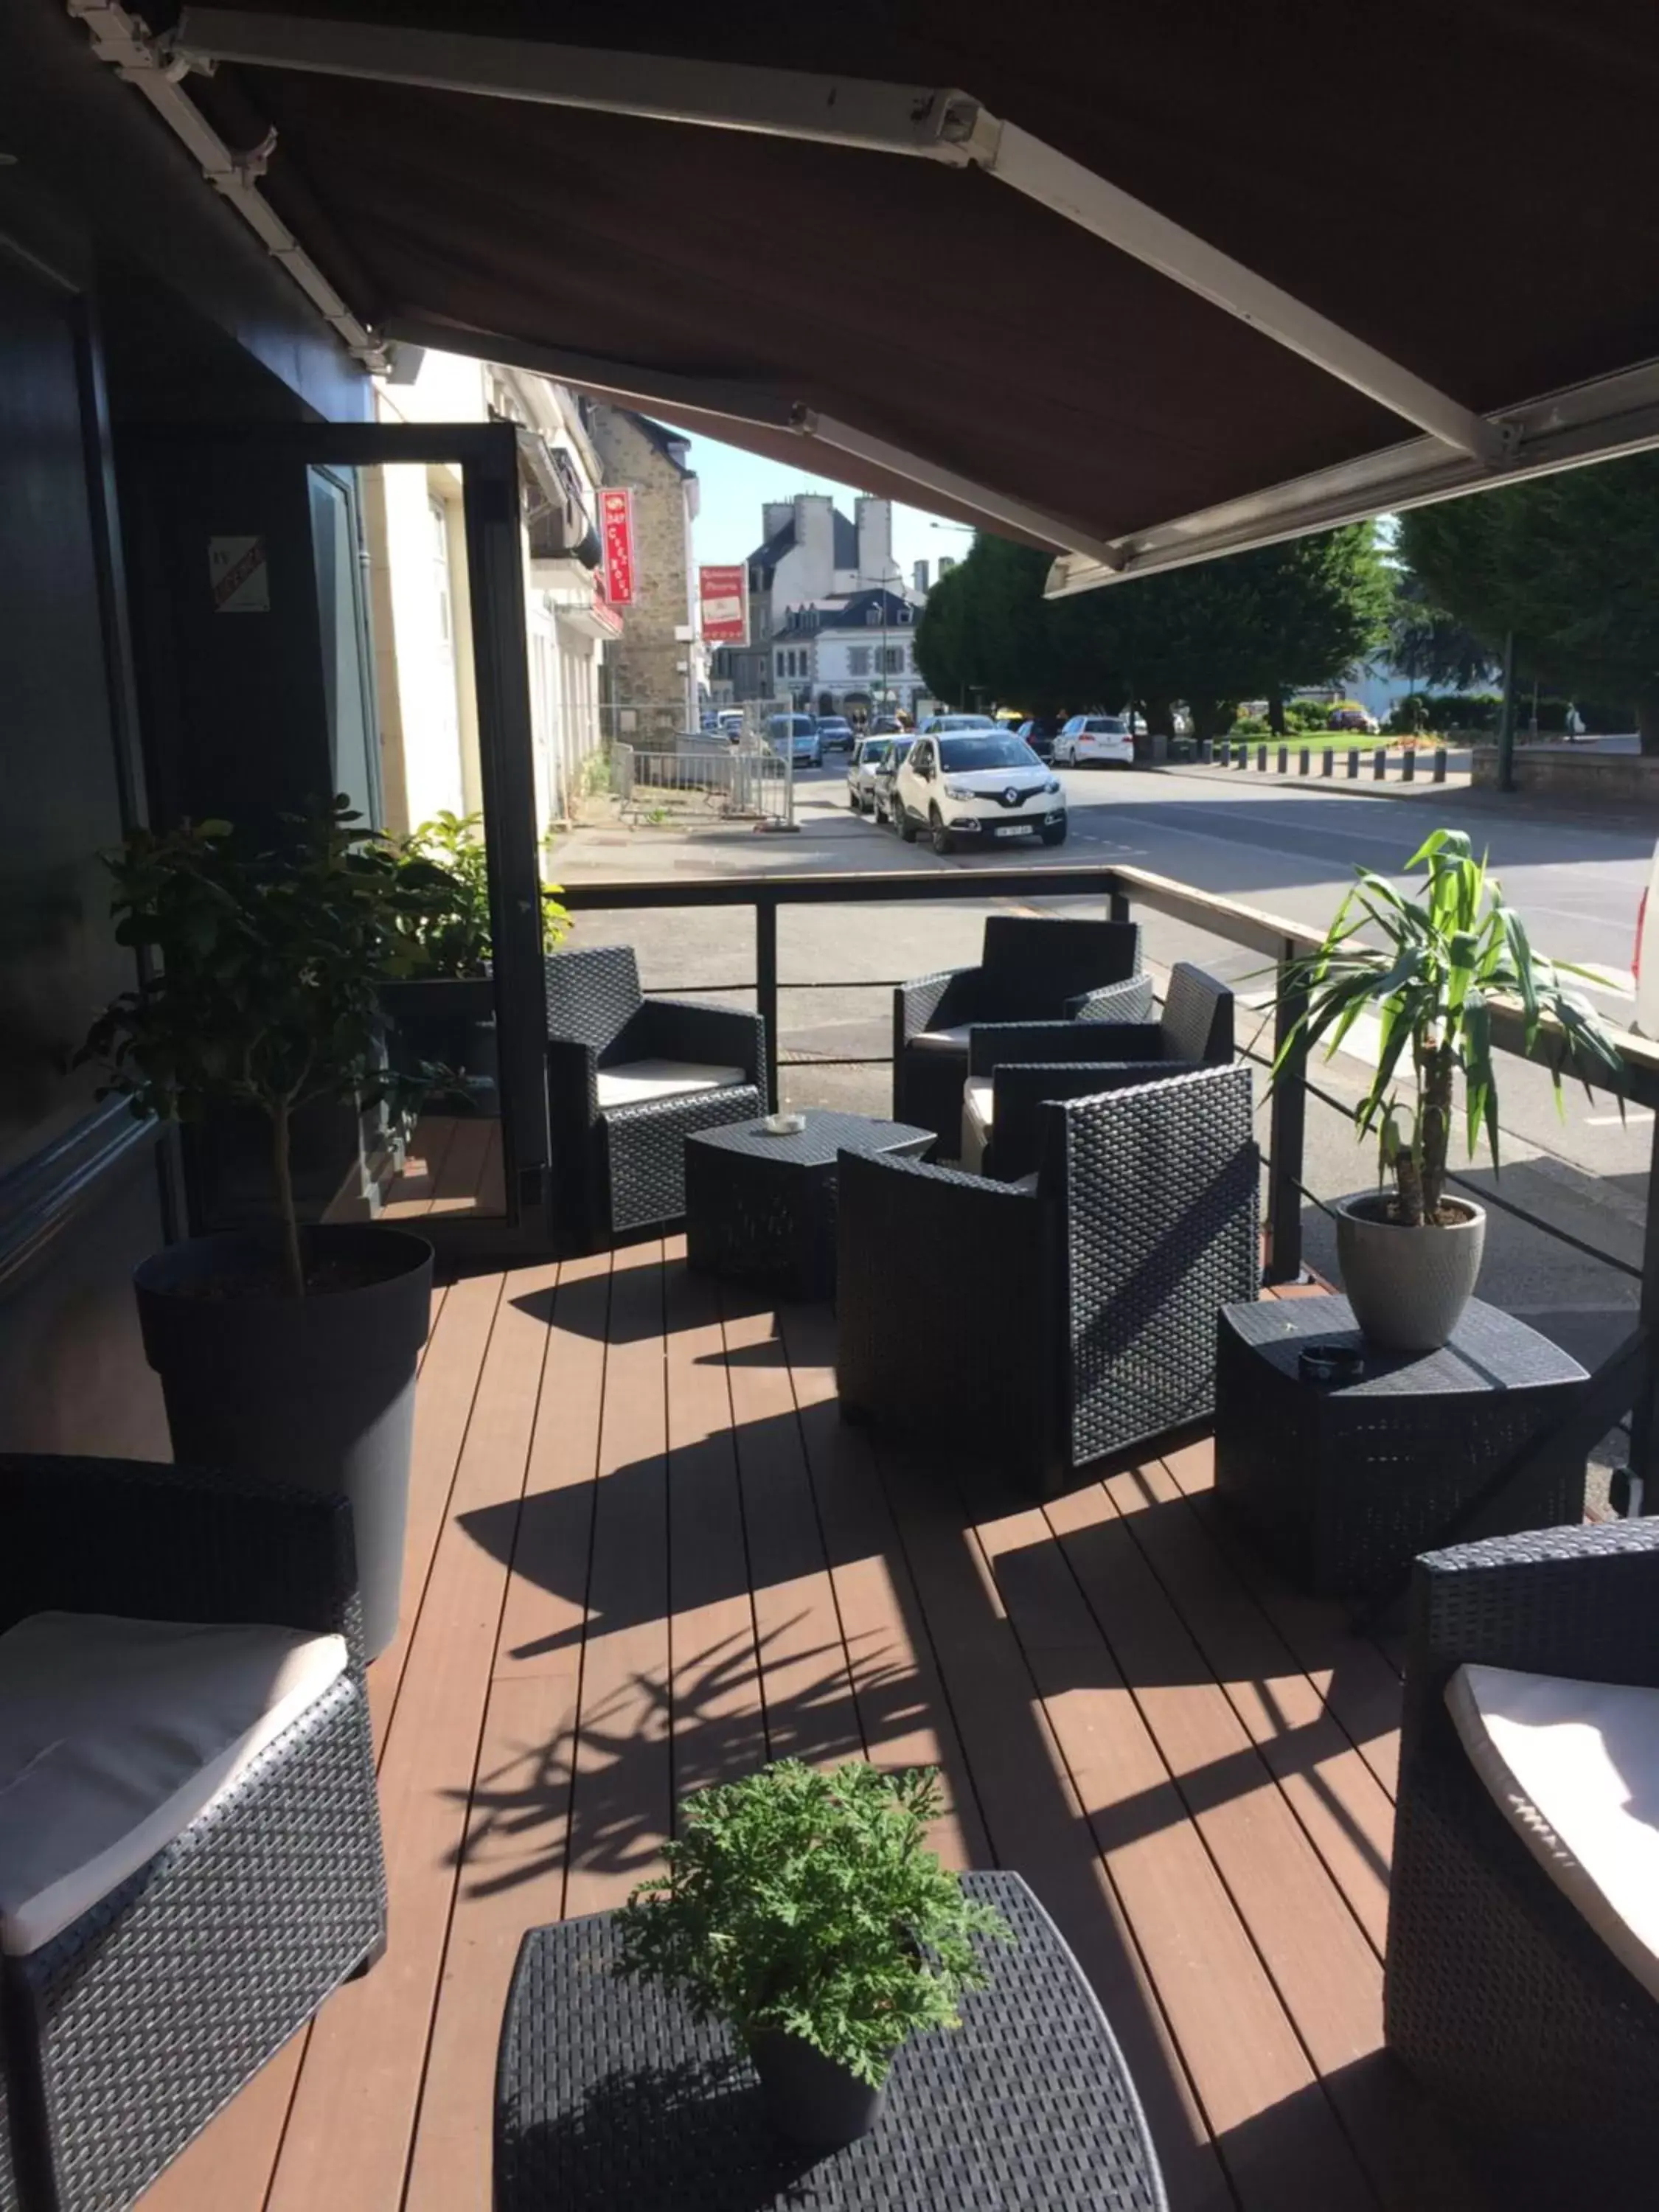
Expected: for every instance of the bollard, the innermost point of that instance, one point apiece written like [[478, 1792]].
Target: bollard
[[1327, 761], [1440, 764], [1262, 758], [1205, 752], [1284, 758], [1240, 755], [1408, 765], [1379, 764], [1353, 763], [1301, 762]]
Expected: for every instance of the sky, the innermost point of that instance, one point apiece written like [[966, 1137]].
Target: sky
[[733, 485]]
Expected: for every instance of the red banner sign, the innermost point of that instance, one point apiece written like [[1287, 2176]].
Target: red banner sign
[[617, 533], [723, 603]]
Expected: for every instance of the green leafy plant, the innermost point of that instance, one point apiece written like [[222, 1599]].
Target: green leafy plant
[[444, 868], [807, 1904], [1442, 960], [262, 975]]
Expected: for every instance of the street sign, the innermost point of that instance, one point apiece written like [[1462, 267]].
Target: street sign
[[724, 604], [617, 536]]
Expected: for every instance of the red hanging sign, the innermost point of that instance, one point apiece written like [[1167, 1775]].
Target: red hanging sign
[[617, 533]]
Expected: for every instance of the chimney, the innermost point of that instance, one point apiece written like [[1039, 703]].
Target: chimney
[[815, 541], [775, 515], [874, 521], [946, 563], [918, 579]]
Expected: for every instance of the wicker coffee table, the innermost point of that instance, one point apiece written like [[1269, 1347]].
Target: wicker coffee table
[[764, 1207], [610, 2098], [1348, 1481]]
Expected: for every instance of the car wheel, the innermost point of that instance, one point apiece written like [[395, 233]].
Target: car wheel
[[1054, 836], [944, 842], [855, 802], [906, 826]]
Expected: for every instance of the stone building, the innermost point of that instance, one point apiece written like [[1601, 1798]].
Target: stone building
[[653, 663]]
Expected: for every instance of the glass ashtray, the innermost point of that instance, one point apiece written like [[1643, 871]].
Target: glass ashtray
[[783, 1125], [1331, 1363]]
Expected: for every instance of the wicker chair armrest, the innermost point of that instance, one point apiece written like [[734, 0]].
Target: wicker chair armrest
[[686, 1029], [159, 1542], [940, 1001], [1128, 1001], [1582, 1601]]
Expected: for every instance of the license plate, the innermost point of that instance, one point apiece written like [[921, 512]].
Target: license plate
[[1013, 830]]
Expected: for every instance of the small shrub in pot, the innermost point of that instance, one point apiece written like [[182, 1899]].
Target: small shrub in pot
[[1429, 976], [805, 1910]]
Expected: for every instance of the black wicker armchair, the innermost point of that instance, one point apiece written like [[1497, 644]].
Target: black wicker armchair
[[1032, 969], [629, 1079], [1501, 1997], [1044, 1325], [1014, 1067], [124, 2031]]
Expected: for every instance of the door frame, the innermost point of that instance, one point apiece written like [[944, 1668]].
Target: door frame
[[487, 455]]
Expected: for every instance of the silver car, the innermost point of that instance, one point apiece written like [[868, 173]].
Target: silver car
[[888, 763], [861, 774]]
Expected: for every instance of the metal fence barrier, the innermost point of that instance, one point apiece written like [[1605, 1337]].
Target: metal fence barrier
[[706, 774]]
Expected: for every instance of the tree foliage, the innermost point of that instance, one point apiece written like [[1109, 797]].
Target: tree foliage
[[1256, 624], [1430, 647], [1570, 564]]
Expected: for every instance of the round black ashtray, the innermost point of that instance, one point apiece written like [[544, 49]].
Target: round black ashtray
[[1331, 1363]]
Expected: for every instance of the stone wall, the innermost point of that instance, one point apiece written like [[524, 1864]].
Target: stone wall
[[650, 665], [1569, 772]]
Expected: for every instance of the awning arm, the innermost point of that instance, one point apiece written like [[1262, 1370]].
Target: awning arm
[[726, 401], [936, 123], [1589, 422]]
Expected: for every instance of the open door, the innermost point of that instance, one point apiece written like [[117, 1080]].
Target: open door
[[324, 608]]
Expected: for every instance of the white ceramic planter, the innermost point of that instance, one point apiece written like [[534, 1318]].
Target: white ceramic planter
[[1407, 1287]]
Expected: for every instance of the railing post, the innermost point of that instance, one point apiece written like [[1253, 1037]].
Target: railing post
[[1118, 909], [1440, 764], [1287, 1123], [766, 989]]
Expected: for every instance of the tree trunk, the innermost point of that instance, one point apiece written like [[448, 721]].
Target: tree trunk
[[1276, 711], [1211, 718], [1160, 715], [293, 1271], [1434, 1131], [1647, 718]]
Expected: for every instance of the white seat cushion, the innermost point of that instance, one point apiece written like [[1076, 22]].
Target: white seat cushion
[[1574, 1768], [978, 1101], [637, 1080], [115, 1734], [953, 1040]]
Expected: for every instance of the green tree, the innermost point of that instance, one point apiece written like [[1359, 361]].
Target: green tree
[[1430, 647], [1570, 564], [1256, 624]]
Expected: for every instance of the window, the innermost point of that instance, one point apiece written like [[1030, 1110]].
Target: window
[[892, 660], [872, 617], [782, 671], [858, 660], [965, 754]]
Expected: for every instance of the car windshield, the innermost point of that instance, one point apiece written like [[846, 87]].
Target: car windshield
[[965, 722], [995, 750], [896, 751]]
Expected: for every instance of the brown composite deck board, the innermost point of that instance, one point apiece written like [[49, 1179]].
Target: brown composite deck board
[[409, 1194], [644, 1549], [455, 1186]]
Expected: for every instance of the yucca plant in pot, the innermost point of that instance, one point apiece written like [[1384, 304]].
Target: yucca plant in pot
[[805, 1911], [439, 1012], [1427, 973], [287, 1352]]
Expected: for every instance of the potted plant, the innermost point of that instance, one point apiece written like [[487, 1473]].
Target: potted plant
[[440, 1010], [291, 1352], [1410, 1253], [805, 1911]]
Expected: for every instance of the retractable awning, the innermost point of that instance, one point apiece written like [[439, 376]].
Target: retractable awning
[[1137, 284]]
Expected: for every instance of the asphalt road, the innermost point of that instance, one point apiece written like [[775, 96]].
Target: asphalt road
[[1292, 853]]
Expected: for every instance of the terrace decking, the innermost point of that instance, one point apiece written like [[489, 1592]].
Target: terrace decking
[[645, 1552]]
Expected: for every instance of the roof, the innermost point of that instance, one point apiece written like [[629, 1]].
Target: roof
[[671, 444], [1278, 329], [845, 550]]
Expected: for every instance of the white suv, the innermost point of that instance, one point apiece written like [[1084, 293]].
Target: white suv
[[1090, 738], [973, 785]]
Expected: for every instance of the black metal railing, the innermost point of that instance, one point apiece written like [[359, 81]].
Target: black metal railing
[[1624, 1383]]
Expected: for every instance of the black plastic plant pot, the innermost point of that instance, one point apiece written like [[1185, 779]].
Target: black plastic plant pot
[[811, 2099], [317, 1391]]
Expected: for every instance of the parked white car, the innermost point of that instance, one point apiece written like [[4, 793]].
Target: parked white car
[[1095, 741], [867, 754], [977, 786], [1645, 960]]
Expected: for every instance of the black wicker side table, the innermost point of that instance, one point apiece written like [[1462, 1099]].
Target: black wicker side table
[[764, 1206], [1349, 1481], [611, 2098]]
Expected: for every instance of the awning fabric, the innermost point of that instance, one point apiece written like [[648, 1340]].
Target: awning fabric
[[1465, 186]]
